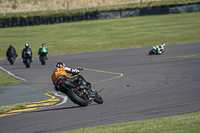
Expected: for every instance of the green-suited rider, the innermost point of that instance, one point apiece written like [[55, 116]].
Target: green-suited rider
[[43, 50]]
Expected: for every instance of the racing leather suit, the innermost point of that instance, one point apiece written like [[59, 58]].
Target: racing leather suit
[[43, 49], [62, 72], [11, 50], [160, 49], [25, 50]]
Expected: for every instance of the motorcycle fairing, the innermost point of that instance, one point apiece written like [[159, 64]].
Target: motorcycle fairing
[[154, 47]]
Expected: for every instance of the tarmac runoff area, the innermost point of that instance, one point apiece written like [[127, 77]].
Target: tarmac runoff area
[[20, 93]]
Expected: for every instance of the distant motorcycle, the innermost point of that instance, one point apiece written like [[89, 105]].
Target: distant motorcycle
[[11, 58], [27, 59], [78, 90], [155, 51], [43, 58]]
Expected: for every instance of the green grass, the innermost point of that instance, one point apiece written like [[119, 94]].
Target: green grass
[[179, 57], [104, 34], [187, 123], [7, 108], [7, 79]]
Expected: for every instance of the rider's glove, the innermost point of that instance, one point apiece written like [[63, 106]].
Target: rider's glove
[[75, 71]]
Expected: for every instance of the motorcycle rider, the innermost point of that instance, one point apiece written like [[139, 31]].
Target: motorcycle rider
[[11, 50], [161, 48], [25, 50], [43, 48], [62, 70]]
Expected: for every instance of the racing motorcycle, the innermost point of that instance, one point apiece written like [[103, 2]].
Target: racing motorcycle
[[155, 51], [11, 58], [27, 58], [78, 89], [43, 58]]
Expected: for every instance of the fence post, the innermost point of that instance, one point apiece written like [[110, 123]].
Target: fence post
[[107, 3], [68, 5], [56, 7], [24, 7], [140, 2], [87, 4], [4, 11]]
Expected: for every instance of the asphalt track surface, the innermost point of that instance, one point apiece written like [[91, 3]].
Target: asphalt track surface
[[148, 88]]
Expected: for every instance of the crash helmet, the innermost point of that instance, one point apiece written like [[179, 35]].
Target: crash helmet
[[43, 45], [26, 45], [163, 45], [60, 65], [10, 45]]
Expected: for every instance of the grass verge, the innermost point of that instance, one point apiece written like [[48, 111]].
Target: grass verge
[[187, 123], [7, 108], [179, 57], [104, 34], [7, 79]]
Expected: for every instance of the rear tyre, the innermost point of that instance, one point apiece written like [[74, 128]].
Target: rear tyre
[[11, 60], [77, 97], [98, 99], [28, 61], [43, 60]]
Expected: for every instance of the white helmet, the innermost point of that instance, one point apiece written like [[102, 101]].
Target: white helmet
[[26, 45], [163, 45]]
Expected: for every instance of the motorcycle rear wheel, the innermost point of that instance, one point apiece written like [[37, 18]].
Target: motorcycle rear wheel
[[28, 62], [77, 97], [11, 60], [43, 60]]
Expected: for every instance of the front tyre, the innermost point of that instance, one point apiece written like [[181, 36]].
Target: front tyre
[[77, 97], [98, 99], [151, 52]]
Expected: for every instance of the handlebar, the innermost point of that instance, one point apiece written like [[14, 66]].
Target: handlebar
[[80, 68]]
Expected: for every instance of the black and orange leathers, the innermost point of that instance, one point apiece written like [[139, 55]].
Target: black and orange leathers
[[63, 71], [57, 72]]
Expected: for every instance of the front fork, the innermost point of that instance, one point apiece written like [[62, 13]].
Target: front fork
[[89, 93]]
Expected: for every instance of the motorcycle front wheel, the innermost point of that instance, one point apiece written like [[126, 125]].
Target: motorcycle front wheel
[[77, 97], [151, 52], [98, 99]]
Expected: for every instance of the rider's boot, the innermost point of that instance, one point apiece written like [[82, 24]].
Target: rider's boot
[[92, 90]]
